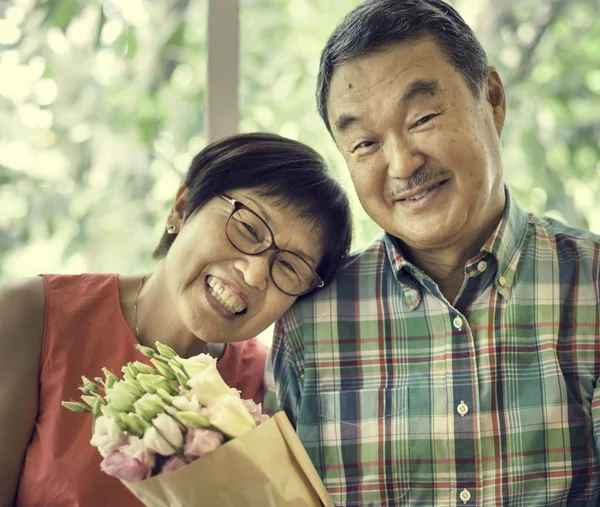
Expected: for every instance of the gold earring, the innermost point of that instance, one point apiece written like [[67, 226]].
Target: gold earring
[[171, 229]]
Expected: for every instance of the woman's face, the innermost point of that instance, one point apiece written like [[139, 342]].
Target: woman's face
[[220, 293]]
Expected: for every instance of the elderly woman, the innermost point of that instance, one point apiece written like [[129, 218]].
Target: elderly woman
[[257, 223]]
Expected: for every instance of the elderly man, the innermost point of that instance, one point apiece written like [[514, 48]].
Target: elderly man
[[456, 359]]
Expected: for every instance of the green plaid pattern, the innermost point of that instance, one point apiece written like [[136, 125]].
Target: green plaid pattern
[[401, 398]]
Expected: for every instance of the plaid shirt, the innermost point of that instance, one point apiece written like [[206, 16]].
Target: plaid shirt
[[402, 398]]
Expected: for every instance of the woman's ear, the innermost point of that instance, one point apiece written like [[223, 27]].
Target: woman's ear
[[177, 213]]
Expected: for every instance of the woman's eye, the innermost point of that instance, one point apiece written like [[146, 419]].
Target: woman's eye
[[425, 119], [251, 230], [363, 144], [287, 266]]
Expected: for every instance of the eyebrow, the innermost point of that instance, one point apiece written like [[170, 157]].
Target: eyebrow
[[267, 218], [416, 89]]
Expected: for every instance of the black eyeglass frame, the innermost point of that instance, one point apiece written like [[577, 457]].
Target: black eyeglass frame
[[237, 205]]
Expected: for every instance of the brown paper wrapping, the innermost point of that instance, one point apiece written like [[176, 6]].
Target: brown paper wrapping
[[266, 467]]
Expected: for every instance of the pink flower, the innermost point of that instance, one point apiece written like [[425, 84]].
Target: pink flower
[[255, 411], [124, 467], [136, 448], [173, 463], [200, 441]]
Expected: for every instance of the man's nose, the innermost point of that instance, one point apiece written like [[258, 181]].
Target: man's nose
[[403, 156]]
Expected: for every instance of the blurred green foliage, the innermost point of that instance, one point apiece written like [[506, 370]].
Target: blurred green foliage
[[102, 108]]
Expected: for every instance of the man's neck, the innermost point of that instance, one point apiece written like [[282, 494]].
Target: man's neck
[[445, 267]]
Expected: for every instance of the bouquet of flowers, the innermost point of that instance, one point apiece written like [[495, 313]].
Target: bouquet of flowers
[[152, 426]]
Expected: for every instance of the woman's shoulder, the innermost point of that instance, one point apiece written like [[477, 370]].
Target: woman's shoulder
[[22, 306], [22, 313]]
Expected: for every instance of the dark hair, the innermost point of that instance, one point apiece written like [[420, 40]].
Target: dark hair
[[289, 172], [377, 23]]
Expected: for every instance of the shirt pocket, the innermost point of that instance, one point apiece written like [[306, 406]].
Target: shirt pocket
[[358, 442]]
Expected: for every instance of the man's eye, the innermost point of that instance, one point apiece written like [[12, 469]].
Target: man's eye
[[363, 144], [425, 119]]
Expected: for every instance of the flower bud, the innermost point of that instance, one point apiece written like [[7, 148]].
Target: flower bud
[[193, 419], [96, 409], [149, 406], [75, 406], [123, 394], [87, 386], [143, 368], [150, 383], [179, 372], [163, 369], [165, 396], [165, 350], [146, 351], [230, 416], [135, 424], [129, 372], [110, 378], [89, 400]]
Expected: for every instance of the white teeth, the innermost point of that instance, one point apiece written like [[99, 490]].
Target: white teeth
[[224, 296], [419, 196], [423, 194]]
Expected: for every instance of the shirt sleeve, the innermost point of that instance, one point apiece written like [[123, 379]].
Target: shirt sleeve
[[284, 370]]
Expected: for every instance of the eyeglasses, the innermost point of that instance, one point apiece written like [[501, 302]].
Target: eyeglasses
[[251, 235]]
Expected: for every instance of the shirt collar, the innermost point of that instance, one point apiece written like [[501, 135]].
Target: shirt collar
[[505, 245]]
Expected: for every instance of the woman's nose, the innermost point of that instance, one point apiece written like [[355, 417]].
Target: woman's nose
[[255, 269]]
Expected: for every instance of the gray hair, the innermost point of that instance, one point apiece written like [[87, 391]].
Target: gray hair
[[374, 24]]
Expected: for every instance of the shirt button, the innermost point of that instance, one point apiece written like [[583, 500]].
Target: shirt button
[[481, 266], [462, 408], [457, 322], [502, 281], [465, 495]]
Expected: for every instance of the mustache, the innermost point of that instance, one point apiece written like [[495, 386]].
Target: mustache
[[420, 178]]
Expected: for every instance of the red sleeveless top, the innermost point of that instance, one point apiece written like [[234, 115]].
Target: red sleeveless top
[[85, 330]]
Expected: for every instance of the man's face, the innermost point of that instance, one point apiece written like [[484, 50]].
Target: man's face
[[423, 151]]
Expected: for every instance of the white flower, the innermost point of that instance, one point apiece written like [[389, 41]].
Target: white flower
[[208, 385], [107, 436], [196, 364], [230, 416], [163, 436], [186, 404]]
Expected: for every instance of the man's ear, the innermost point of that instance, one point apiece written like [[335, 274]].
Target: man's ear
[[494, 90], [177, 212]]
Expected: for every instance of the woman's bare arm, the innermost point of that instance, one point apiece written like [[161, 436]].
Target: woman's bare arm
[[22, 308]]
